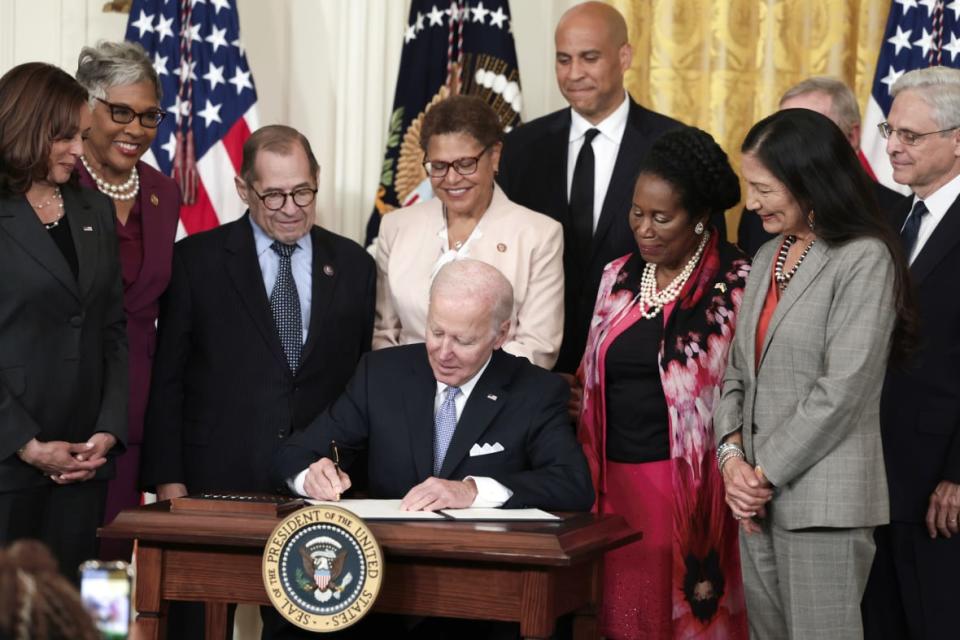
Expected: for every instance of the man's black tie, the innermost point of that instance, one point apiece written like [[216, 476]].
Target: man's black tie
[[911, 228], [581, 195], [285, 305]]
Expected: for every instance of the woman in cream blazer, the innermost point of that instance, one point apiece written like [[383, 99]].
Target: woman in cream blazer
[[469, 217]]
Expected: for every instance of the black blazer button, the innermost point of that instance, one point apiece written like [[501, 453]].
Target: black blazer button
[[76, 321]]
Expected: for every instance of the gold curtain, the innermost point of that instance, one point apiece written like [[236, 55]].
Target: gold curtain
[[722, 65]]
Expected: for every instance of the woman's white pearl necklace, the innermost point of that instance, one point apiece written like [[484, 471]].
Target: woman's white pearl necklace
[[126, 191], [653, 301]]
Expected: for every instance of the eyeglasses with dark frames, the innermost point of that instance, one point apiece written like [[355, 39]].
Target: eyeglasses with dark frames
[[906, 136], [465, 166], [122, 114], [275, 200]]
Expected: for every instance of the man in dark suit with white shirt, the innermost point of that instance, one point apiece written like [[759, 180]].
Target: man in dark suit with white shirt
[[452, 423], [546, 166], [914, 588]]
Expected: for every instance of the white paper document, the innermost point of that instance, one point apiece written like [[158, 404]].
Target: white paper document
[[390, 510], [501, 515], [380, 510]]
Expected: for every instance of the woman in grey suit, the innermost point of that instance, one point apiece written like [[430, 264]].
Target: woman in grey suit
[[798, 420], [63, 347]]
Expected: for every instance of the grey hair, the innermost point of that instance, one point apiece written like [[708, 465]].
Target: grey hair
[[114, 64], [843, 104], [939, 87], [476, 280]]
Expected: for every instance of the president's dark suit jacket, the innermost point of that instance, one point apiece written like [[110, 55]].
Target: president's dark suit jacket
[[63, 345], [388, 410], [920, 406], [533, 173], [222, 397]]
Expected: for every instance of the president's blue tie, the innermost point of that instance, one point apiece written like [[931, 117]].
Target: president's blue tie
[[444, 424]]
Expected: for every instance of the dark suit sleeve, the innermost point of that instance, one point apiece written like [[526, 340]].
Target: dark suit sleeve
[[951, 472], [113, 406], [346, 421], [558, 477], [19, 427], [163, 426], [371, 305], [505, 169]]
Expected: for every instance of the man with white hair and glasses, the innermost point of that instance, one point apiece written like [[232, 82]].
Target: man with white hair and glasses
[[913, 589]]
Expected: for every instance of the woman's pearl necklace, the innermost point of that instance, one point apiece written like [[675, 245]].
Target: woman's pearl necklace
[[653, 301], [126, 191], [57, 198]]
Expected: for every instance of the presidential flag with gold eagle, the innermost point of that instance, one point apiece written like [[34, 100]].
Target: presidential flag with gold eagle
[[464, 47]]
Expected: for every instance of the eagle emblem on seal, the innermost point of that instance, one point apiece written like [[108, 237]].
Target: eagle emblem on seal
[[324, 558]]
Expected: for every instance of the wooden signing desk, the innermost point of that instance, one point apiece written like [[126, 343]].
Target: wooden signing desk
[[529, 573]]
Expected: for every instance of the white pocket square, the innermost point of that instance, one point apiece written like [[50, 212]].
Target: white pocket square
[[485, 449]]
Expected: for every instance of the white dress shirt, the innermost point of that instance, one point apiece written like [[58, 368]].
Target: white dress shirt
[[937, 204], [490, 493], [606, 146]]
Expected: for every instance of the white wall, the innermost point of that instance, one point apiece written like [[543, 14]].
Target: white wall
[[326, 67]]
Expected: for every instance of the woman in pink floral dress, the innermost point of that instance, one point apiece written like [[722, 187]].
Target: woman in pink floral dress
[[651, 375]]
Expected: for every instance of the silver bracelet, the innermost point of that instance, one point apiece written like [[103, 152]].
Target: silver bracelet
[[726, 451]]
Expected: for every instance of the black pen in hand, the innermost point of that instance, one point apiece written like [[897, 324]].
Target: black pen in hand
[[335, 456]]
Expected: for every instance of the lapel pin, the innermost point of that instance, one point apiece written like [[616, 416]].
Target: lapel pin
[[154, 200], [502, 248], [490, 396], [722, 288], [328, 269], [88, 228]]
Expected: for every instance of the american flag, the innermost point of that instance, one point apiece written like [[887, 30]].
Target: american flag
[[920, 33], [207, 90]]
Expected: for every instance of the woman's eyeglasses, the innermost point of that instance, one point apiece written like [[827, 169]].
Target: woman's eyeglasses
[[465, 166], [122, 114]]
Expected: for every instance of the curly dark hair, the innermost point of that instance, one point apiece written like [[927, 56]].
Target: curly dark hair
[[695, 165], [462, 114], [36, 601]]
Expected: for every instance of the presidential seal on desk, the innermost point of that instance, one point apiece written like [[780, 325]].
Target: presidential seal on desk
[[322, 568]]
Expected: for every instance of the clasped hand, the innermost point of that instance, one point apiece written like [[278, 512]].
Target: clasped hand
[[943, 511], [325, 481], [747, 493], [69, 462]]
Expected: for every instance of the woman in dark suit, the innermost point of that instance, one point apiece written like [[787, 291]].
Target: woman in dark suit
[[125, 104], [63, 345]]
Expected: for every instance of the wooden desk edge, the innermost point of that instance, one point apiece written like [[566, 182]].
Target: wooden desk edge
[[538, 547]]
